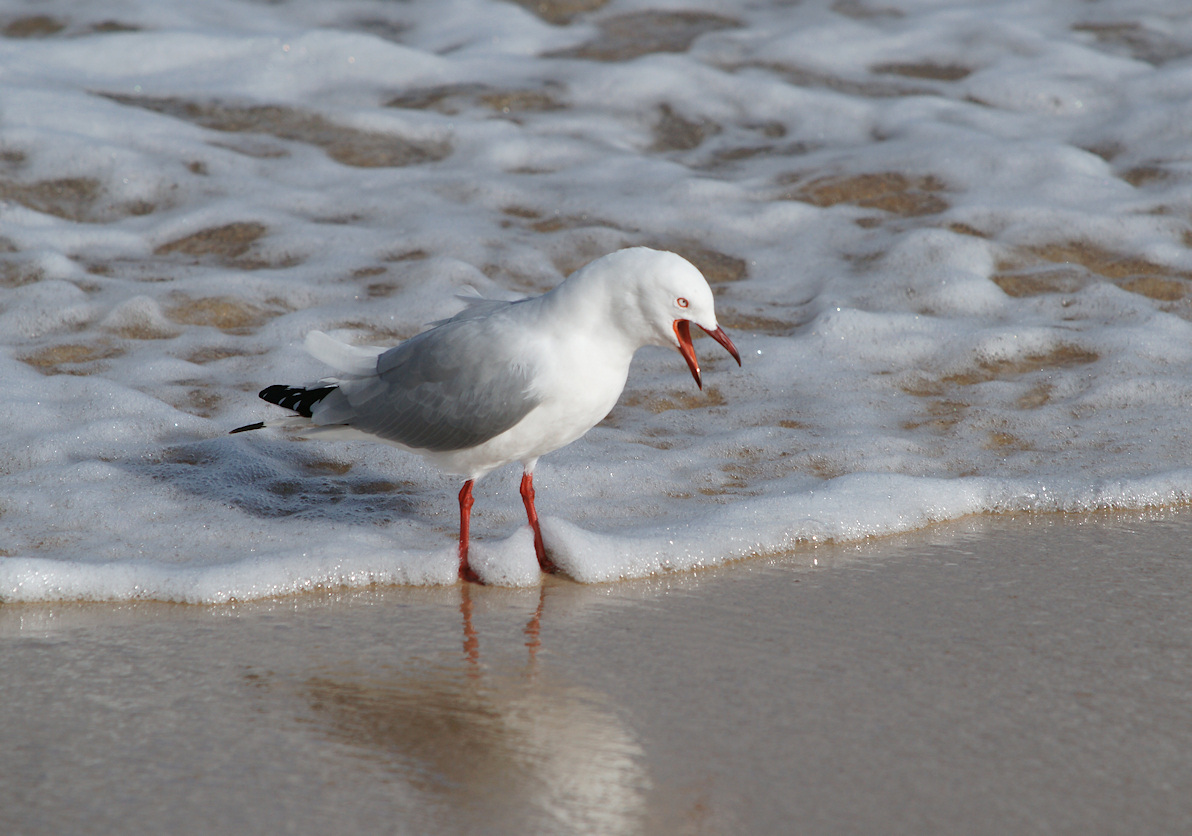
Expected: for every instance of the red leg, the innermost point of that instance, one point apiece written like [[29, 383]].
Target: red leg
[[527, 492], [465, 520]]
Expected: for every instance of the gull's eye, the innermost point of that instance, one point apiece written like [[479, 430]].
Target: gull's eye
[[681, 302]]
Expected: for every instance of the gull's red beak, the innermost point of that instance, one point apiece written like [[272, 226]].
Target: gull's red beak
[[683, 332]]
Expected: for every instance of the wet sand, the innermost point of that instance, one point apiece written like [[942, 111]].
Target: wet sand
[[998, 675]]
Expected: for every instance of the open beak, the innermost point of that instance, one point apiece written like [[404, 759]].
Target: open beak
[[683, 332]]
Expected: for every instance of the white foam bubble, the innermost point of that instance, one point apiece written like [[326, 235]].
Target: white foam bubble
[[950, 243]]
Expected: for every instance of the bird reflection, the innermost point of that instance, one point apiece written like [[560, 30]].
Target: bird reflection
[[532, 631], [490, 746]]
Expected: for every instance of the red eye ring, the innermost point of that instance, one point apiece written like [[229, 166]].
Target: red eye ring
[[681, 302]]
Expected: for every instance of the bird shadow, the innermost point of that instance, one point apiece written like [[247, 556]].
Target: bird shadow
[[274, 479]]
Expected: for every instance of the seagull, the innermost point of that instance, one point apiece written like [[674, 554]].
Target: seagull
[[505, 382]]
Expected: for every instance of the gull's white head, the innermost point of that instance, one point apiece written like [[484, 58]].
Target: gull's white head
[[655, 296]]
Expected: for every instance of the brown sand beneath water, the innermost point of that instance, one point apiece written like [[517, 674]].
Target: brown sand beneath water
[[997, 675]]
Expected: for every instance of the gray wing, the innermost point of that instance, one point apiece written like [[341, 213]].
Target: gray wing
[[452, 387]]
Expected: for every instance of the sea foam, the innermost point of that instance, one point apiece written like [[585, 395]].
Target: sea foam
[[951, 244]]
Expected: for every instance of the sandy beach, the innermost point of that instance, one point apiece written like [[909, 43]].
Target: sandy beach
[[995, 675]]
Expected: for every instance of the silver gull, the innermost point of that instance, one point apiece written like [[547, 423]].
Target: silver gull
[[508, 381]]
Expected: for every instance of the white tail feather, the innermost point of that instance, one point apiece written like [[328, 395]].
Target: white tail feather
[[357, 361]]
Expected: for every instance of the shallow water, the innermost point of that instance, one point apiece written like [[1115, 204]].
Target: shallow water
[[987, 676], [951, 242]]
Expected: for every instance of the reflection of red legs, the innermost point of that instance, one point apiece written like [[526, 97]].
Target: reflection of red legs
[[533, 631], [465, 522], [527, 492], [471, 640]]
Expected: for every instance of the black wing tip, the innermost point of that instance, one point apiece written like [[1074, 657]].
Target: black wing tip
[[257, 426], [295, 397]]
